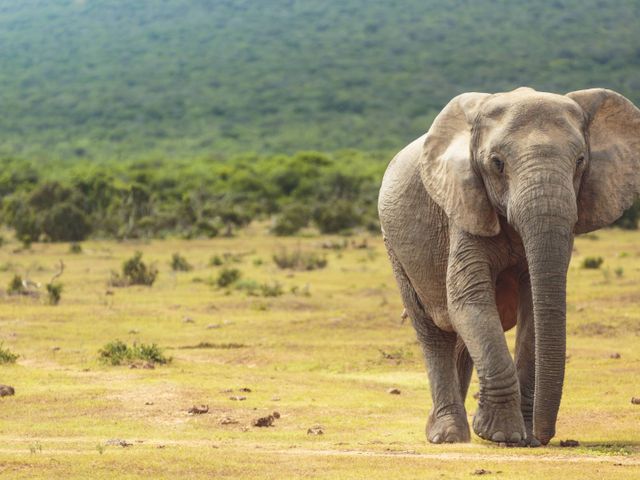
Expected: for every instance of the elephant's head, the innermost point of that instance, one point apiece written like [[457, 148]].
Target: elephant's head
[[552, 166]]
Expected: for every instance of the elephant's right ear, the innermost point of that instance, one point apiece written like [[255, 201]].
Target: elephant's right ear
[[447, 172]]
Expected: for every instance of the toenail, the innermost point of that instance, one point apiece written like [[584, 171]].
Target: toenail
[[499, 437], [515, 437], [436, 439]]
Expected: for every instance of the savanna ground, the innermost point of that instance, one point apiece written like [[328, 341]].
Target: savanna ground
[[324, 355]]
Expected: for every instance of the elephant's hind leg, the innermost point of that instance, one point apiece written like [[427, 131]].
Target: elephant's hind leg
[[447, 421]]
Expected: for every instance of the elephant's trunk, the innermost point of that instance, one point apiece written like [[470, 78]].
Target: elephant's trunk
[[545, 222]]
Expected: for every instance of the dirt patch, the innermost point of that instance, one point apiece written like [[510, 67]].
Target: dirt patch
[[596, 329], [222, 346]]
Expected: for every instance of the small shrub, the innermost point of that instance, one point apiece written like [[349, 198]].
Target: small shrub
[[180, 264], [291, 220], [54, 293], [299, 260], [273, 289], [250, 287], [134, 272], [227, 276], [16, 287], [619, 272], [336, 216], [216, 261], [226, 258], [118, 353], [592, 262], [75, 248], [255, 289], [7, 356]]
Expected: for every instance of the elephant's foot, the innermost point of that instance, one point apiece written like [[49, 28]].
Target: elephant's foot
[[499, 422], [531, 440], [449, 427]]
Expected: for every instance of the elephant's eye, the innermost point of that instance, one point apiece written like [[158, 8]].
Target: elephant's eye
[[499, 164], [580, 160]]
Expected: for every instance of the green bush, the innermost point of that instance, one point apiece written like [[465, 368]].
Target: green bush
[[7, 356], [255, 289], [227, 276], [54, 293], [118, 353], [336, 216], [216, 261], [299, 260], [65, 222], [592, 262], [16, 287], [75, 248], [291, 220], [180, 264], [134, 272]]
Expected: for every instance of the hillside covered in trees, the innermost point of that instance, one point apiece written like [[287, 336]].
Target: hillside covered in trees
[[108, 79], [127, 119]]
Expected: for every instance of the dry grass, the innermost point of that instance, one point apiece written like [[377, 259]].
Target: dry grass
[[315, 357]]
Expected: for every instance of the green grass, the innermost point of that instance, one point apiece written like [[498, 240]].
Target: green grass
[[324, 358]]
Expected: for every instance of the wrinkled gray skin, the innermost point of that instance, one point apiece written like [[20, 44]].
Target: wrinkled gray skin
[[478, 218]]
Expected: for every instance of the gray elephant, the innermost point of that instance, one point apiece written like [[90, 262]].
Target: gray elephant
[[478, 218]]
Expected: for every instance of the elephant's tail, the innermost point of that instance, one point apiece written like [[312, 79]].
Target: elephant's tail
[[464, 365]]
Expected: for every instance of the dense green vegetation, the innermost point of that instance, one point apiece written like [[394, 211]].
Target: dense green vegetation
[[108, 79], [130, 119], [191, 199]]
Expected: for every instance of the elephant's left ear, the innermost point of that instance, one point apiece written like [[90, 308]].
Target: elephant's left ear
[[611, 182]]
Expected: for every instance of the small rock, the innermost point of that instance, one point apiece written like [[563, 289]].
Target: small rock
[[244, 389], [569, 443], [188, 320], [315, 430], [476, 395], [211, 326], [55, 349], [6, 391], [161, 446], [237, 398], [482, 471], [394, 391], [134, 332], [199, 410], [634, 400], [148, 403], [276, 414], [226, 390], [275, 399], [263, 421], [615, 355], [148, 366], [228, 421]]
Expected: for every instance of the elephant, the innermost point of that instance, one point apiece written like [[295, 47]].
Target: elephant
[[478, 218]]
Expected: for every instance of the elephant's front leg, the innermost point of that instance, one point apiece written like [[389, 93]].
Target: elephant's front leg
[[474, 315], [526, 357]]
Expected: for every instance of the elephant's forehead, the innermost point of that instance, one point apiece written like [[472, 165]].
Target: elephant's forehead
[[526, 107]]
